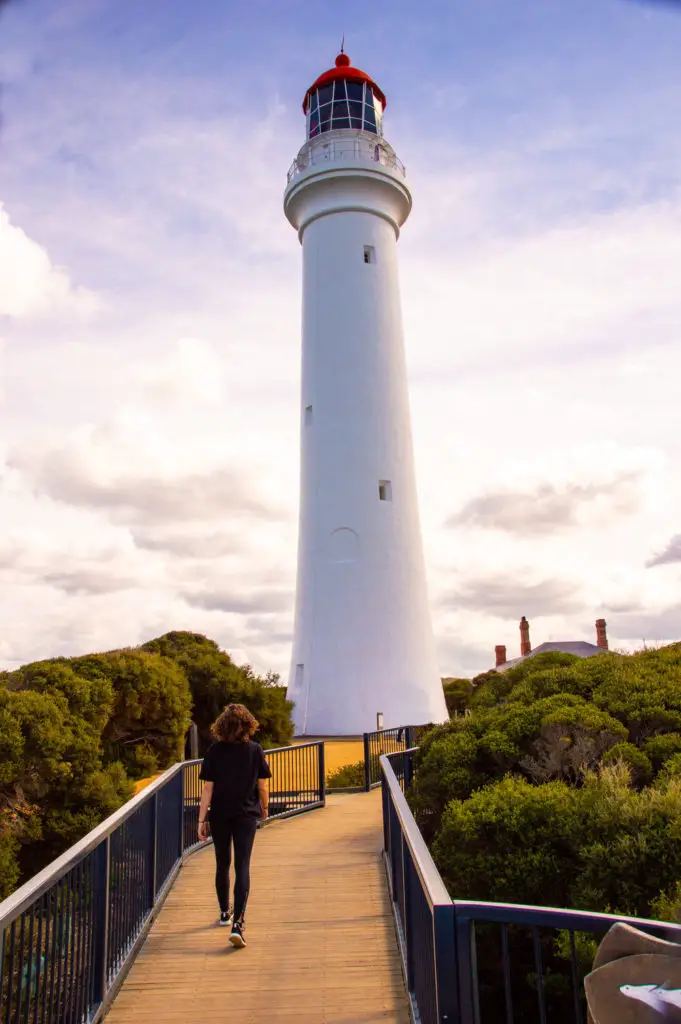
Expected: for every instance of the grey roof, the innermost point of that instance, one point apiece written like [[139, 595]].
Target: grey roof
[[579, 647]]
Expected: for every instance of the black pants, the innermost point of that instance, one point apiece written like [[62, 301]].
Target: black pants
[[240, 831]]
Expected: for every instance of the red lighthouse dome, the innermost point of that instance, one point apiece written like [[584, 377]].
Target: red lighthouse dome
[[344, 97]]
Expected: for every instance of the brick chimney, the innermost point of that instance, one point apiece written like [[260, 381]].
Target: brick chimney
[[601, 634], [500, 652], [525, 645]]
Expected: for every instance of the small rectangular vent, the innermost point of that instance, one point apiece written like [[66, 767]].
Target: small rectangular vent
[[369, 254], [385, 490]]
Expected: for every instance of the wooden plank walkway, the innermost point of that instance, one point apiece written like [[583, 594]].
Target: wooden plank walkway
[[321, 939]]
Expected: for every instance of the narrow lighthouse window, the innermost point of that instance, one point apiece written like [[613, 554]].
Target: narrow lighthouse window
[[308, 415], [385, 490], [369, 254]]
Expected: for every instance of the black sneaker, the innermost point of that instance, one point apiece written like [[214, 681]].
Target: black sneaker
[[225, 918], [237, 937]]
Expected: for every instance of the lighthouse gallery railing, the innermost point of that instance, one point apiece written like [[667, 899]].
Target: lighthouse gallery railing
[[344, 147], [69, 935]]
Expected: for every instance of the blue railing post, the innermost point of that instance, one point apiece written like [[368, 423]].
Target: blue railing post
[[367, 763], [444, 951], [101, 917], [180, 789], [322, 772]]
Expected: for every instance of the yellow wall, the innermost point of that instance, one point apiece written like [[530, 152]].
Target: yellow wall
[[338, 752], [143, 783]]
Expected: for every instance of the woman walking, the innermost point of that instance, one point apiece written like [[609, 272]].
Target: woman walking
[[236, 789]]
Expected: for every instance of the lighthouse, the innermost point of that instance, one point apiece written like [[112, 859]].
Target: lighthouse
[[363, 641]]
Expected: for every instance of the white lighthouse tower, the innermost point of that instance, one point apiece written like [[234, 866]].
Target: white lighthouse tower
[[363, 640]]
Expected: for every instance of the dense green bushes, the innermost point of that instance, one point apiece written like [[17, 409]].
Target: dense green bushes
[[76, 732], [563, 786], [348, 776]]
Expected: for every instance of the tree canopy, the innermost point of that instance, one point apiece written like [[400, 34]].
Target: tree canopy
[[76, 732], [562, 786]]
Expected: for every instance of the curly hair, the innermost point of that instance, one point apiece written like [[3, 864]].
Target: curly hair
[[236, 724]]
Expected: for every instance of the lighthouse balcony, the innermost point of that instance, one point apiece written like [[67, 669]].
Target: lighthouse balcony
[[345, 146]]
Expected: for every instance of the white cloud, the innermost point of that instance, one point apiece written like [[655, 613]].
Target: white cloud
[[30, 285], [155, 447]]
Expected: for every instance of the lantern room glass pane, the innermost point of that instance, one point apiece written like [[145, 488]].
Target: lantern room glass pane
[[340, 115], [328, 109], [355, 115], [325, 94]]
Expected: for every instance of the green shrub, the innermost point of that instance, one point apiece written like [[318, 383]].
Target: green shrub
[[636, 761], [350, 776], [660, 748]]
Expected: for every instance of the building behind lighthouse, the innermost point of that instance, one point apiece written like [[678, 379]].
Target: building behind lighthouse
[[363, 640]]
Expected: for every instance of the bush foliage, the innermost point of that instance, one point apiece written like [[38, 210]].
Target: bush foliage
[[76, 732], [563, 785]]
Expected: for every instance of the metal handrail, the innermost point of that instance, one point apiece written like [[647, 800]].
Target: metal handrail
[[558, 918], [76, 927], [437, 935], [431, 880], [35, 887], [326, 149]]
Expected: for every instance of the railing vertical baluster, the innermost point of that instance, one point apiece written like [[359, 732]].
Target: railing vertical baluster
[[74, 944], [39, 960], [54, 898], [506, 967], [367, 764], [3, 935], [464, 928], [407, 772], [84, 924], [49, 928], [72, 949], [181, 789], [540, 977], [20, 988], [575, 982], [154, 847], [90, 973], [407, 922], [10, 973], [321, 754], [29, 966], [60, 950], [102, 881]]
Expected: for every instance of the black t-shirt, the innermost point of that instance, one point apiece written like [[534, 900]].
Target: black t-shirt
[[234, 770]]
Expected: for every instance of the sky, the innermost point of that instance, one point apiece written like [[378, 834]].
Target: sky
[[150, 316]]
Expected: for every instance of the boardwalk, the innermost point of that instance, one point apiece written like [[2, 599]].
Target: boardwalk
[[321, 939]]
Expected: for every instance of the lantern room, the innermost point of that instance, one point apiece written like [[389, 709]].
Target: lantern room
[[344, 97]]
